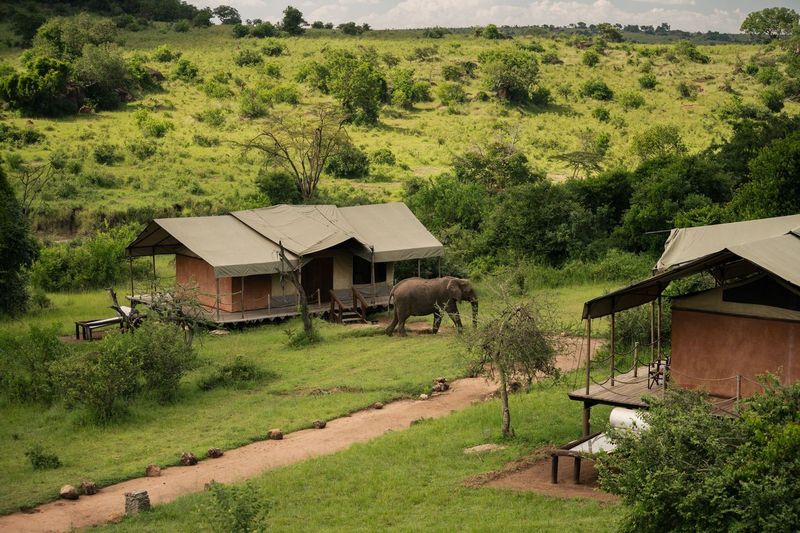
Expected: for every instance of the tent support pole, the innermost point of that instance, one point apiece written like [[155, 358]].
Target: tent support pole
[[242, 296], [217, 299], [419, 268], [440, 266], [372, 272], [154, 273], [613, 344], [652, 330], [588, 353], [658, 327], [130, 269], [587, 416]]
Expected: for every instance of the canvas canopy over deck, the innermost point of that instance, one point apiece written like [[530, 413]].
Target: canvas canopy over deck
[[337, 250], [722, 338]]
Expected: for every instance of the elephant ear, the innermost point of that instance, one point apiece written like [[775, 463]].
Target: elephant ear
[[454, 289]]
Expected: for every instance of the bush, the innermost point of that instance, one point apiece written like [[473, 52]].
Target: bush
[[240, 30], [106, 154], [235, 509], [540, 96], [182, 26], [349, 162], [104, 75], [273, 49], [28, 374], [264, 29], [238, 374], [590, 58], [601, 113], [451, 93], [496, 166], [689, 51], [213, 117], [164, 54], [41, 459], [165, 357], [19, 137], [631, 100], [252, 104], [658, 141], [216, 89], [452, 73], [751, 69], [302, 339], [279, 186], [648, 81], [142, 149], [186, 70], [383, 156], [687, 90], [41, 89], [283, 93], [406, 91], [273, 70], [510, 74], [596, 89], [773, 99], [150, 125], [551, 58], [97, 262], [247, 58], [769, 76]]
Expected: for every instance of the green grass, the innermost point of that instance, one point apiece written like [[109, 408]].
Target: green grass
[[414, 480], [187, 178]]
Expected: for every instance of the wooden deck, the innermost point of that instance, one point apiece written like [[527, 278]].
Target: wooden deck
[[256, 316], [627, 391]]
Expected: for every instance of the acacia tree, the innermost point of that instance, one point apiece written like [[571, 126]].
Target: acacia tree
[[17, 250], [771, 23], [514, 343], [294, 276], [302, 144], [32, 179], [293, 21]]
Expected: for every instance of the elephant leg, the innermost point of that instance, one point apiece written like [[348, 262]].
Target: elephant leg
[[402, 321], [452, 311], [392, 324], [437, 321]]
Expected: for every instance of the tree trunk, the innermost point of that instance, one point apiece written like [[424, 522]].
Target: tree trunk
[[308, 325], [507, 431]]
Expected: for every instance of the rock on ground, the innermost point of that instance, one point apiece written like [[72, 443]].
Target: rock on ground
[[377, 405], [188, 459], [484, 448], [89, 487], [152, 471], [68, 492], [214, 453], [275, 434], [319, 424], [136, 502]]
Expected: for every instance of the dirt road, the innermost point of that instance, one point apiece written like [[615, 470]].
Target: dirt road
[[247, 461]]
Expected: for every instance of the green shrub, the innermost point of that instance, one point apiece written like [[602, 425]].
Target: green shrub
[[687, 90], [405, 90], [19, 137], [510, 74], [658, 141], [239, 373], [205, 140], [213, 117], [264, 29], [248, 58], [252, 104], [751, 69], [273, 70], [648, 81], [150, 125], [383, 156], [280, 187], [104, 75], [451, 93], [452, 72], [96, 262], [142, 149], [41, 89], [349, 162], [689, 51], [27, 360], [540, 96], [273, 49], [301, 339], [106, 154], [590, 58], [216, 89], [240, 30], [769, 76], [164, 54], [283, 93], [631, 100], [551, 58], [42, 459], [182, 26], [772, 98], [165, 357], [185, 70], [235, 509], [596, 89], [602, 114]]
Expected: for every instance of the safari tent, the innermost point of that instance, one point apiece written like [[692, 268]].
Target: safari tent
[[722, 338], [233, 260]]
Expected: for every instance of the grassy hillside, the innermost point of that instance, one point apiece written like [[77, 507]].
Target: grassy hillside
[[198, 168]]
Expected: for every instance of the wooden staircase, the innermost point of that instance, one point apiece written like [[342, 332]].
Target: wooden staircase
[[354, 313]]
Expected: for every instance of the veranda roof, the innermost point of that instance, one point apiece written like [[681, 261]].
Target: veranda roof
[[778, 255], [245, 243]]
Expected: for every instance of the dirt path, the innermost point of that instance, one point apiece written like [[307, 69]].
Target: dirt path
[[247, 461]]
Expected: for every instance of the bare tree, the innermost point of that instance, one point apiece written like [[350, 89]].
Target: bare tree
[[515, 343], [302, 143], [294, 275], [32, 179]]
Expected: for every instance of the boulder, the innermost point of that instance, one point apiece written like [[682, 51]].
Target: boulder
[[423, 396], [188, 459], [136, 502], [319, 424], [440, 385], [68, 492], [214, 453], [275, 434], [88, 487], [152, 471], [377, 405]]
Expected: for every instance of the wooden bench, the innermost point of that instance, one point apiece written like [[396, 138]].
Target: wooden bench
[[578, 449], [86, 327]]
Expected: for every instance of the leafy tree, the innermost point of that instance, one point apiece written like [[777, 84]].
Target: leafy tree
[[658, 141], [263, 29], [65, 37], [491, 32], [771, 23], [589, 157], [510, 74], [774, 189], [240, 30], [348, 162], [302, 144], [25, 23], [609, 32], [104, 75], [17, 251], [293, 21], [227, 15], [350, 28], [689, 50], [203, 18], [516, 342], [356, 81], [596, 89], [773, 98], [590, 58], [446, 201], [279, 186], [318, 25], [496, 165], [405, 90], [451, 93], [41, 89]]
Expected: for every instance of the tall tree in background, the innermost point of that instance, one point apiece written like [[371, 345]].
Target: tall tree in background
[[17, 251], [302, 143], [227, 15], [771, 23], [293, 21]]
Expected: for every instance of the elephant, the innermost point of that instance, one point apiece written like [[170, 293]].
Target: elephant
[[418, 297]]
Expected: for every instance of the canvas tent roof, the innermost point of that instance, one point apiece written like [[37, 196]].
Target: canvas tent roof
[[712, 301], [393, 231], [777, 255], [245, 243], [687, 244]]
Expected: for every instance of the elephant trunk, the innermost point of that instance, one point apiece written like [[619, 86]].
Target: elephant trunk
[[474, 313]]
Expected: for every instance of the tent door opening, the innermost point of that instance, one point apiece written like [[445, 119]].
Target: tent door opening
[[318, 275]]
